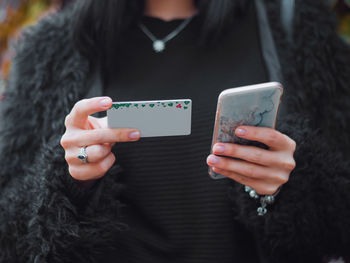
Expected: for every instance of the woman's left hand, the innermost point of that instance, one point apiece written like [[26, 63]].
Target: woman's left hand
[[263, 170]]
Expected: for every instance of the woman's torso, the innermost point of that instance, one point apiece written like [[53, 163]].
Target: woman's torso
[[174, 210]]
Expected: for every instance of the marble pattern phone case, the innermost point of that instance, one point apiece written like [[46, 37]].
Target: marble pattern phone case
[[255, 105]]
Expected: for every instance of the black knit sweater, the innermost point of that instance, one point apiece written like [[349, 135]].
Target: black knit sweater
[[46, 217], [174, 210]]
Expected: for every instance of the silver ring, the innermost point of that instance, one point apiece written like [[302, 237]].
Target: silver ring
[[83, 155]]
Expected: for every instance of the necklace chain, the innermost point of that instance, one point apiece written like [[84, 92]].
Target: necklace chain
[[159, 44]]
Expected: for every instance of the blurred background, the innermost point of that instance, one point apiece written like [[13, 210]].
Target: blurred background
[[14, 16], [342, 9], [17, 14]]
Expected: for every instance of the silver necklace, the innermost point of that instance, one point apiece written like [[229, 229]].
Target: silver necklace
[[159, 44]]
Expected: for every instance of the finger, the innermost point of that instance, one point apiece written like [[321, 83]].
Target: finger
[[90, 171], [249, 153], [95, 154], [100, 136], [251, 170], [98, 122], [259, 186], [271, 137], [103, 122], [94, 123], [256, 155], [235, 176], [83, 108], [241, 167]]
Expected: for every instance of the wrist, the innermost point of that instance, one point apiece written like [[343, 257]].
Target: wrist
[[263, 199]]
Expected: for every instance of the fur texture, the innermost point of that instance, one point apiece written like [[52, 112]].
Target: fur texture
[[45, 217]]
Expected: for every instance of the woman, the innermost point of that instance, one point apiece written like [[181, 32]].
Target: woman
[[150, 199]]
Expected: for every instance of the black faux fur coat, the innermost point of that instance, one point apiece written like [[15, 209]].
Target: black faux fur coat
[[45, 217]]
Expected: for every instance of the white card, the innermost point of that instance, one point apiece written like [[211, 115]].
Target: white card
[[153, 118]]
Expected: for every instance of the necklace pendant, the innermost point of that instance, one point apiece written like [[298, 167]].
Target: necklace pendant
[[158, 46]]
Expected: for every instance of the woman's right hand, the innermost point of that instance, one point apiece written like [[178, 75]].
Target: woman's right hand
[[85, 130]]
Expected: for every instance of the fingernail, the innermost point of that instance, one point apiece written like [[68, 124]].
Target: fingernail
[[240, 131], [219, 148], [134, 135], [105, 102], [213, 159]]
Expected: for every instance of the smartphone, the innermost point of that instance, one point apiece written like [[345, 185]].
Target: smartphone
[[255, 105]]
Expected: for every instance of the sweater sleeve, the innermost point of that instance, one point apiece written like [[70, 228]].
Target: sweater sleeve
[[44, 215]]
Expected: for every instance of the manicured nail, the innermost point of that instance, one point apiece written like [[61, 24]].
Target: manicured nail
[[240, 131], [213, 159], [219, 148], [105, 102], [134, 135]]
